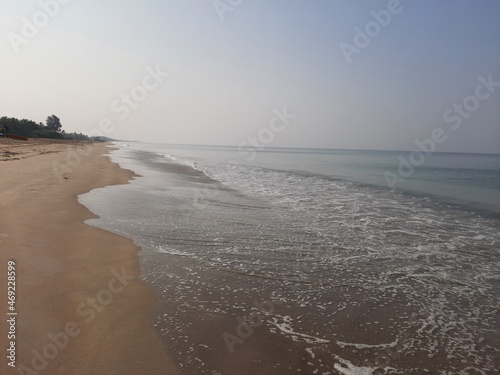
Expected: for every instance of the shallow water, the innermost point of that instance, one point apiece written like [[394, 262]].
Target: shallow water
[[276, 271]]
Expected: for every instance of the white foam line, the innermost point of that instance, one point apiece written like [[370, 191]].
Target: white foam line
[[286, 328], [170, 157], [368, 346], [351, 369], [310, 351]]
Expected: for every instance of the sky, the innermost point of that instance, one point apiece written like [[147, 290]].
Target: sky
[[377, 75]]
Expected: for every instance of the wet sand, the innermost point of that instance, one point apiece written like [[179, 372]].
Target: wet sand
[[81, 308], [245, 287]]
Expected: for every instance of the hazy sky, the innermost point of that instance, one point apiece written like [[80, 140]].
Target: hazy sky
[[233, 67]]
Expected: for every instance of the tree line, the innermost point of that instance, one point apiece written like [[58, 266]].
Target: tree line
[[28, 128]]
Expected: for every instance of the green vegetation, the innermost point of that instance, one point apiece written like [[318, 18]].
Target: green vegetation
[[30, 129]]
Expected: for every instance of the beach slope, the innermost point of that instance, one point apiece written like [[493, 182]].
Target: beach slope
[[81, 308]]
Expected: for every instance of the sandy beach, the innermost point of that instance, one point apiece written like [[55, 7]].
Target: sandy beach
[[81, 308]]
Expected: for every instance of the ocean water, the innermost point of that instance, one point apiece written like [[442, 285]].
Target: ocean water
[[305, 261]]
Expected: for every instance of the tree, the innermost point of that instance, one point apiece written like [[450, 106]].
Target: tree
[[31, 129], [20, 127], [53, 123]]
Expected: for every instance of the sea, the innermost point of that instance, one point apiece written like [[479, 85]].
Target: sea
[[314, 261]]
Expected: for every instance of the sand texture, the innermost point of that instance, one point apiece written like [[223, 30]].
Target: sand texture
[[80, 306]]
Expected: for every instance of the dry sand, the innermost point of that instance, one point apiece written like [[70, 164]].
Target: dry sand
[[66, 270], [12, 149]]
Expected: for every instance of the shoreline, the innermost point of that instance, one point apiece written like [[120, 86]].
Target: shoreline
[[81, 306], [252, 283]]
